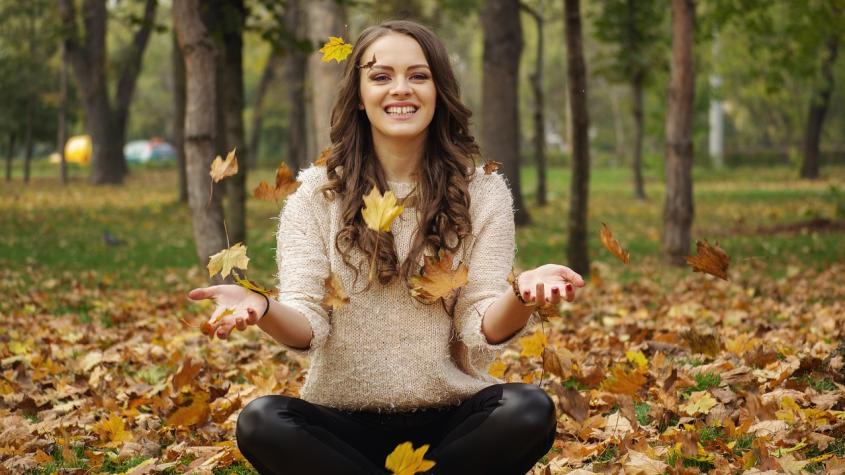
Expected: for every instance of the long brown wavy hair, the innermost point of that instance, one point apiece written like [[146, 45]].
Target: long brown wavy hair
[[441, 195]]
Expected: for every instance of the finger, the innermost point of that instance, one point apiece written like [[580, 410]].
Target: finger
[[541, 294], [240, 323], [572, 276], [555, 295], [223, 330], [252, 317], [201, 293], [570, 292]]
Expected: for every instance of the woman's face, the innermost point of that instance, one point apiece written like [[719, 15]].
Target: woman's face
[[398, 91]]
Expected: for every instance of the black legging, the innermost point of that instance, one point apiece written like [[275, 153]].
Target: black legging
[[503, 429]]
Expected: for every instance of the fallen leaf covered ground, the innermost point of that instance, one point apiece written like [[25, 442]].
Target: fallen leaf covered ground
[[653, 370]]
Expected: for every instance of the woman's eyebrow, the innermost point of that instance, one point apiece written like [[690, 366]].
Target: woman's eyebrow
[[390, 68]]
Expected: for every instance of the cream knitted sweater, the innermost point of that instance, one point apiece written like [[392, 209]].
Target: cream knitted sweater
[[384, 351]]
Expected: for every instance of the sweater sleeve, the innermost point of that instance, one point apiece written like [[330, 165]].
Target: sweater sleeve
[[302, 261], [490, 263]]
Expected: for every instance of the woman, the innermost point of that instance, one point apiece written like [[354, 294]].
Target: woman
[[388, 366]]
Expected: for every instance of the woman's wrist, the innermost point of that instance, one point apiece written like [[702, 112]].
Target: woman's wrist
[[517, 291], [267, 301]]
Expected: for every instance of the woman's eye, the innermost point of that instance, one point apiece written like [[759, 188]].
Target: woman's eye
[[421, 77], [380, 77]]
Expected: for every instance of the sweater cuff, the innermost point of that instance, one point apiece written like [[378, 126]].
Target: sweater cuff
[[473, 336], [319, 327]]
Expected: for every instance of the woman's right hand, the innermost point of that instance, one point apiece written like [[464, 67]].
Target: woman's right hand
[[245, 306]]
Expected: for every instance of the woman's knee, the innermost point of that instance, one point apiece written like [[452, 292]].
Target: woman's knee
[[260, 418], [530, 408]]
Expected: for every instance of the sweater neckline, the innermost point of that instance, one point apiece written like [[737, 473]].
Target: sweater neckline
[[401, 188]]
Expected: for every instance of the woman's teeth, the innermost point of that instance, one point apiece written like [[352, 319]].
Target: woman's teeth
[[400, 110]]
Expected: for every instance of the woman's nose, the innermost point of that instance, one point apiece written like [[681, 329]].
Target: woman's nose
[[401, 87]]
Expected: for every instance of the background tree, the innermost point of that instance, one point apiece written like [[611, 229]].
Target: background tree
[[198, 49], [88, 55], [577, 253], [632, 27], [678, 208], [539, 115], [325, 18], [500, 112]]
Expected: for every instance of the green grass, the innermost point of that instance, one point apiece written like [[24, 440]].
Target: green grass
[[58, 231], [703, 382]]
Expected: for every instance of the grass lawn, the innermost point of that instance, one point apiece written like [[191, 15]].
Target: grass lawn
[[57, 229]]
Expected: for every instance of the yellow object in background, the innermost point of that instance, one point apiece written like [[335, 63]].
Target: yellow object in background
[[78, 149]]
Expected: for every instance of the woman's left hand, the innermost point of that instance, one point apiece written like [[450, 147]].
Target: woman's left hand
[[548, 283]]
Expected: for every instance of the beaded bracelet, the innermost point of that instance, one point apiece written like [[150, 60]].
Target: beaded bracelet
[[515, 286], [268, 303]]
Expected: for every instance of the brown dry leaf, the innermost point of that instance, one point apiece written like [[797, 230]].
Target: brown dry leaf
[[639, 463], [437, 279], [195, 414], [187, 372], [285, 185], [612, 244], [551, 362], [220, 168], [335, 296], [491, 166], [572, 402], [324, 155], [706, 344], [710, 259]]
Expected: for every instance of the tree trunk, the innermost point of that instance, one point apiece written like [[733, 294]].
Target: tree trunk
[[179, 117], [637, 162], [10, 155], [819, 104], [87, 55], [129, 78], [325, 18], [678, 210], [233, 109], [267, 77], [500, 112], [200, 126], [61, 139], [539, 107], [27, 157], [577, 253], [295, 63]]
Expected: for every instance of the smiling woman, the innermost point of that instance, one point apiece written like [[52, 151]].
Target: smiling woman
[[391, 366]]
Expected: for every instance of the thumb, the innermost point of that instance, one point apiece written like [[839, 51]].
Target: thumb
[[201, 293]]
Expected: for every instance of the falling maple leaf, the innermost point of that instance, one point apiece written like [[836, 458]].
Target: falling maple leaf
[[710, 259], [324, 156], [227, 259], [437, 279], [490, 166], [404, 460], [254, 286], [112, 430], [533, 345], [285, 185], [699, 402], [220, 168], [612, 244], [335, 296], [378, 212], [335, 49]]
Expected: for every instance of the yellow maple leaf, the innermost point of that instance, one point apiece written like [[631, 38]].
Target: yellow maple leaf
[[497, 369], [220, 168], [622, 381], [404, 460], [612, 244], [637, 358], [533, 345], [335, 49], [285, 185], [254, 286], [112, 430], [699, 402], [437, 278], [379, 211], [335, 296], [195, 414], [227, 259]]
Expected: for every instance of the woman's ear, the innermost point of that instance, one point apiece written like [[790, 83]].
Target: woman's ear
[[360, 106]]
